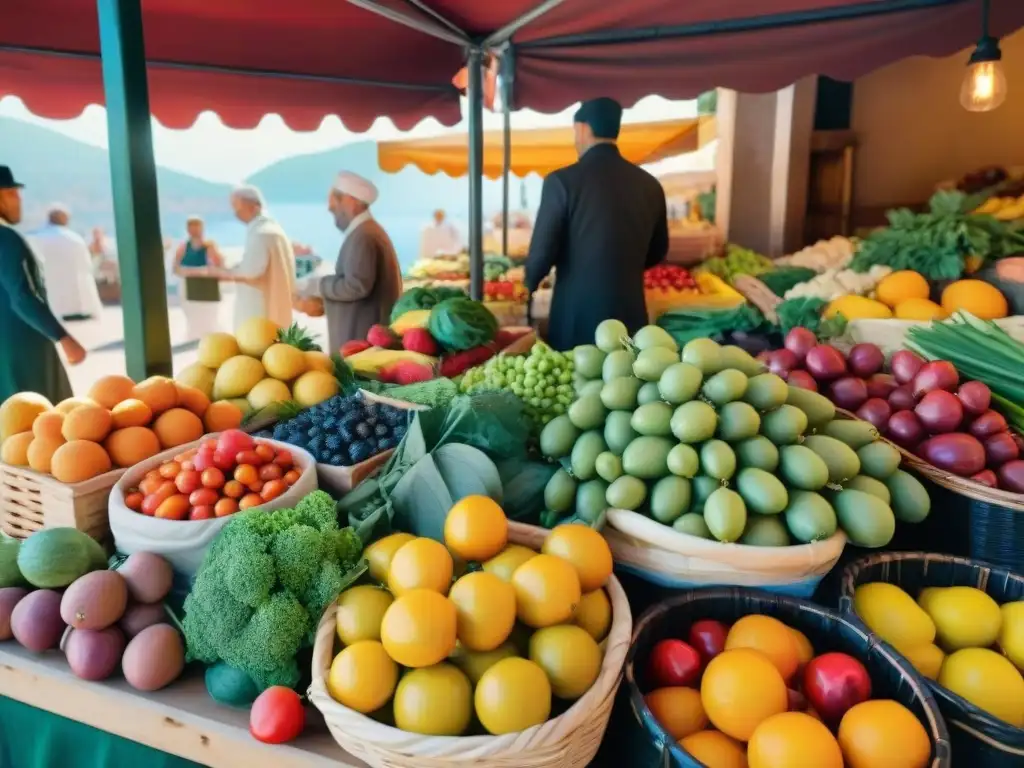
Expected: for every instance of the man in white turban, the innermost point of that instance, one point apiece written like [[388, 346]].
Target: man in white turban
[[367, 279]]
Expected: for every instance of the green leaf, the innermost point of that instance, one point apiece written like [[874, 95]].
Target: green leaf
[[523, 483], [421, 501], [467, 471]]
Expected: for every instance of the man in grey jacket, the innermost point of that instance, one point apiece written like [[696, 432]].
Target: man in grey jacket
[[367, 280]]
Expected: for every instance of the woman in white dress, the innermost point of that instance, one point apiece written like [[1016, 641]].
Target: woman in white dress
[[200, 297]]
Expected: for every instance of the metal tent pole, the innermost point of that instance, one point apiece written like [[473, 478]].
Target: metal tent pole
[[475, 99], [140, 249], [507, 69]]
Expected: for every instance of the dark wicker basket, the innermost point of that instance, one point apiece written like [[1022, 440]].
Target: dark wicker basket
[[892, 676], [978, 739]]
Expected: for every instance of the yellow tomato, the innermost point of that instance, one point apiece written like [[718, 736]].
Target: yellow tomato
[[594, 614], [804, 649], [379, 554], [678, 710], [362, 676], [418, 629], [512, 696], [769, 636], [882, 733], [504, 564], [715, 750], [790, 739], [420, 564], [486, 609], [547, 591], [740, 689], [569, 657], [586, 549], [476, 528], [360, 612], [436, 701], [475, 663]]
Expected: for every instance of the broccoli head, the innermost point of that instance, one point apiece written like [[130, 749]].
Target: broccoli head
[[319, 511], [212, 618], [298, 552], [271, 639]]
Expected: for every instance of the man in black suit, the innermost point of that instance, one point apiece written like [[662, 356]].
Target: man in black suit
[[602, 222]]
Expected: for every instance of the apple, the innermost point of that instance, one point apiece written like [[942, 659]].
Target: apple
[[708, 637], [835, 682], [674, 663]]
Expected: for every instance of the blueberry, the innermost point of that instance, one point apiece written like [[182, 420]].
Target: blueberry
[[359, 451], [364, 430], [334, 441], [347, 433], [336, 460], [381, 430]]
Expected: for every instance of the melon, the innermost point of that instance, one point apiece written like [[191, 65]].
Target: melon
[[97, 600], [131, 445], [55, 557], [90, 422], [158, 392], [222, 415], [108, 391], [10, 576], [177, 427], [237, 377], [79, 460], [67, 405], [40, 452], [14, 450], [193, 399], [319, 361], [314, 387], [49, 425], [198, 376], [215, 349], [36, 622], [131, 413], [19, 411], [267, 392], [255, 336], [284, 362]]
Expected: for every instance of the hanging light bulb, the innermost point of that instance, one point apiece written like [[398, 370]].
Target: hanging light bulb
[[984, 85]]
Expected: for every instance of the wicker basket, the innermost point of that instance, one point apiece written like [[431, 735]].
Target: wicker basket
[[31, 501], [978, 739], [570, 740]]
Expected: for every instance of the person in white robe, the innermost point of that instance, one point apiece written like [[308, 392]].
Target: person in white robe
[[67, 268], [440, 237]]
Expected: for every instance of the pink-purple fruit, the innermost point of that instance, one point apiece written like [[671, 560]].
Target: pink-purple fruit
[[94, 601], [36, 621], [94, 654], [140, 615], [154, 658], [148, 575], [9, 597]]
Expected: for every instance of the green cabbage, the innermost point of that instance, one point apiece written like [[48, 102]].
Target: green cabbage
[[422, 298], [460, 323]]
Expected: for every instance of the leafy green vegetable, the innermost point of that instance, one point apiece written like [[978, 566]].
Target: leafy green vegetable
[[686, 324], [460, 323], [737, 261], [806, 311], [422, 298], [782, 279]]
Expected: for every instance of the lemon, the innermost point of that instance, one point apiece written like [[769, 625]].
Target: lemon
[[964, 617], [569, 657], [512, 696], [900, 286], [362, 676], [475, 663], [266, 392], [436, 701], [420, 564], [547, 591], [476, 528], [314, 387], [924, 599], [987, 680], [927, 659], [360, 613], [255, 336], [893, 615], [379, 554], [1011, 634], [318, 361], [236, 377], [486, 610], [594, 614], [418, 629], [585, 549], [284, 362], [920, 309], [504, 564], [217, 348]]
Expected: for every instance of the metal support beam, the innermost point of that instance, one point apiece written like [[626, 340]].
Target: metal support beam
[[504, 34], [140, 249], [425, 25], [507, 70], [475, 106]]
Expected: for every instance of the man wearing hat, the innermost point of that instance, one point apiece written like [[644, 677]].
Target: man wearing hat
[[28, 329], [367, 280], [602, 221]]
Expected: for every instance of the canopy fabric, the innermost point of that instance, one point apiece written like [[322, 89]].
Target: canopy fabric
[[542, 150], [307, 59]]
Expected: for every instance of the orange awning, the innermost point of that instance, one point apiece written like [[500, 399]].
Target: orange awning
[[543, 150]]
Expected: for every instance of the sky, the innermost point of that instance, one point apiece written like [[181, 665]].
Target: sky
[[210, 150]]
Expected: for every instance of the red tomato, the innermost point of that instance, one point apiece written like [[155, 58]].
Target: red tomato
[[234, 489], [277, 715], [233, 441], [203, 459], [134, 500], [187, 481], [155, 499], [246, 474], [212, 478], [256, 487], [150, 483], [290, 477], [203, 512], [169, 470], [835, 682], [225, 507], [174, 507], [273, 489], [708, 637], [674, 663], [271, 472], [250, 500], [248, 457], [209, 444], [203, 497], [223, 461], [265, 451], [283, 458], [187, 465]]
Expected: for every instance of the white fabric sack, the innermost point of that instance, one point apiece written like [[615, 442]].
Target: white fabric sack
[[183, 543]]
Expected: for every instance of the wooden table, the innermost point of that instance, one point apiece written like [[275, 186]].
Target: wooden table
[[181, 719]]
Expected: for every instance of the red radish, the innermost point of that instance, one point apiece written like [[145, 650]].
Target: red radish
[[782, 362], [955, 452], [802, 379], [876, 411], [849, 392], [905, 429], [940, 411], [999, 449], [902, 398], [986, 477], [881, 385], [825, 363], [937, 374], [865, 360], [975, 396], [800, 341], [905, 365], [989, 423], [1011, 476]]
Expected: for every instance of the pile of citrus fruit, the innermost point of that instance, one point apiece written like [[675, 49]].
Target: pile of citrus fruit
[[515, 635], [756, 695]]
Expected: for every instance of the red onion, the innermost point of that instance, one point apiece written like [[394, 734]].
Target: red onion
[[902, 398], [1011, 476], [999, 449], [849, 392], [881, 385], [989, 423], [782, 362], [876, 411], [955, 452], [986, 477], [802, 379], [975, 396], [905, 429], [865, 360], [940, 411], [905, 365], [937, 374], [825, 363], [800, 341]]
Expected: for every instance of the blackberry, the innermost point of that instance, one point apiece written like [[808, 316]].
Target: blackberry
[[400, 431], [393, 416], [351, 418], [374, 445], [371, 421], [313, 431], [329, 422], [280, 431], [364, 429], [336, 460], [359, 451], [347, 433], [333, 441], [387, 443], [295, 438], [381, 430], [314, 445]]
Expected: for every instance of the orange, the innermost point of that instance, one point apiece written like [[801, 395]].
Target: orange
[[418, 629], [504, 564], [379, 554], [420, 564], [222, 415], [131, 413], [362, 676], [586, 549], [476, 528], [769, 636], [678, 710], [547, 591], [715, 750], [512, 696], [793, 740], [88, 422], [435, 701], [108, 391], [158, 392], [740, 689], [177, 426], [804, 649], [883, 734], [902, 285], [48, 425], [486, 609], [975, 296]]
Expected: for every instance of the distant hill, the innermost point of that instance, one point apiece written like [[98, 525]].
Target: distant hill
[[54, 167]]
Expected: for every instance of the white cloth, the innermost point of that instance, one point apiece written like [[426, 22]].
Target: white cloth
[[362, 218], [356, 186], [441, 238], [67, 271], [267, 257], [201, 317]]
